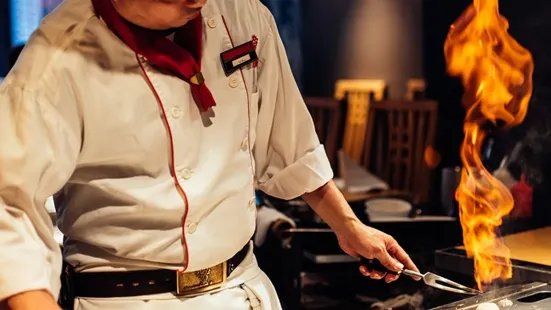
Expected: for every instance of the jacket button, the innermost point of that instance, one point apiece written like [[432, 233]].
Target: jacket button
[[191, 227], [245, 144], [186, 174], [212, 23], [234, 82], [176, 112]]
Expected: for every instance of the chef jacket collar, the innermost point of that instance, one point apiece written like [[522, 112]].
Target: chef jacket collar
[[180, 57]]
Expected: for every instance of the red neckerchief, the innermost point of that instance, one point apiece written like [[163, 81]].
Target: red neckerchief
[[182, 59]]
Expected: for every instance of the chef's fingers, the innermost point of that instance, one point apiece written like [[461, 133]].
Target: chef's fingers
[[377, 275], [391, 277], [373, 274], [404, 258], [364, 271], [389, 262]]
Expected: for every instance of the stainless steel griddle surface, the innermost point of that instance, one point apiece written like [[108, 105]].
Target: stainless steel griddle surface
[[534, 296]]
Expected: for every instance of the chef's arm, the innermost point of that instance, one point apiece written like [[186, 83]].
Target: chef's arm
[[31, 300], [329, 203], [39, 146], [290, 160]]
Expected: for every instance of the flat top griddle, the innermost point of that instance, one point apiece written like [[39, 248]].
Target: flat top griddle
[[533, 296], [530, 257]]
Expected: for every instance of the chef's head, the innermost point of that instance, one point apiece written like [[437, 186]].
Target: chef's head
[[159, 14]]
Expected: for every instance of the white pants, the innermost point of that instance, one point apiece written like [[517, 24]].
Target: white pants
[[247, 288]]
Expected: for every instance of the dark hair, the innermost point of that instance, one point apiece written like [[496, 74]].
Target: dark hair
[[13, 55]]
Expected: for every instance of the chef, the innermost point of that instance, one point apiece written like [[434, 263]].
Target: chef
[[152, 120]]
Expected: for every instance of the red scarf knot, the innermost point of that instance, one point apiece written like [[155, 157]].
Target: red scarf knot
[[181, 57]]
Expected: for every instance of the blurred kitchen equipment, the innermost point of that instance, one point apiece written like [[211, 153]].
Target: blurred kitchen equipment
[[387, 208], [450, 181], [356, 178], [50, 207]]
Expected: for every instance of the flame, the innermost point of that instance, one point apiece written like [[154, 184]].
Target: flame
[[496, 72]]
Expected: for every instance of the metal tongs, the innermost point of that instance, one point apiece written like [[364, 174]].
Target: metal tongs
[[429, 278]]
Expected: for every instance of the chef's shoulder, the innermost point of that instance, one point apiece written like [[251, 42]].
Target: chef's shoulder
[[243, 18], [62, 47]]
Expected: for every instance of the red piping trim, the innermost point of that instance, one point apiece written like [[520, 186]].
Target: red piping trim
[[248, 104], [172, 164]]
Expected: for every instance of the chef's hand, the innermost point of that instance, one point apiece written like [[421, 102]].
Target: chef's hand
[[364, 241], [355, 238], [31, 300]]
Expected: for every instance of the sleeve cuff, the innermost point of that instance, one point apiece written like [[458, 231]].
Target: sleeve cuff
[[24, 273], [309, 173]]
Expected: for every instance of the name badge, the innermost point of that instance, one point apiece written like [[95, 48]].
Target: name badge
[[238, 57]]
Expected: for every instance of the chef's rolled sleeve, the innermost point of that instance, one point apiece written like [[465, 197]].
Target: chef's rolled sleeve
[[39, 146], [290, 160]]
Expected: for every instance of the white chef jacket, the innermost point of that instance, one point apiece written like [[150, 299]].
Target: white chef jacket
[[133, 155]]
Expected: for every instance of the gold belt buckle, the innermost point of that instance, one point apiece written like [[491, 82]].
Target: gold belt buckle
[[201, 281]]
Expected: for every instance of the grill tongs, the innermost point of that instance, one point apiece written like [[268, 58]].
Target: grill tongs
[[429, 278]]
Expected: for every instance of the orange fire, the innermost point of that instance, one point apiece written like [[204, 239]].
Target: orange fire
[[496, 72]]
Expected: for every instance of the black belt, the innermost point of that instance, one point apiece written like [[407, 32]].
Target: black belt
[[149, 282]]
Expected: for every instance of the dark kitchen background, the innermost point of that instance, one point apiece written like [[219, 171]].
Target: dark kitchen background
[[394, 41], [362, 39]]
